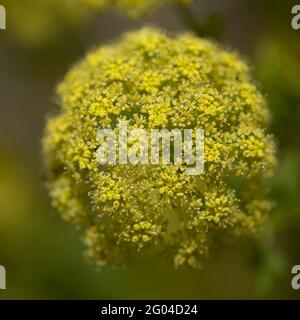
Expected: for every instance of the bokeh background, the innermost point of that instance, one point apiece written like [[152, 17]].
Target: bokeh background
[[42, 254]]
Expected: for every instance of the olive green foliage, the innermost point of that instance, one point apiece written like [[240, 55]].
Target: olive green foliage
[[42, 23]]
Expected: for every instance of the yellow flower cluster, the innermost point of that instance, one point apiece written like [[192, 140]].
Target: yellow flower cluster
[[155, 80], [130, 8]]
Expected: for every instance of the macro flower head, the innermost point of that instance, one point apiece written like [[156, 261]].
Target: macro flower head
[[130, 8], [155, 80]]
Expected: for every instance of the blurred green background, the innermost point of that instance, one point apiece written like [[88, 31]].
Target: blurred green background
[[43, 255]]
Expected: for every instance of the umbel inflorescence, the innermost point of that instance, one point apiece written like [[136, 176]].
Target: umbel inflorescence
[[130, 8], [153, 80]]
